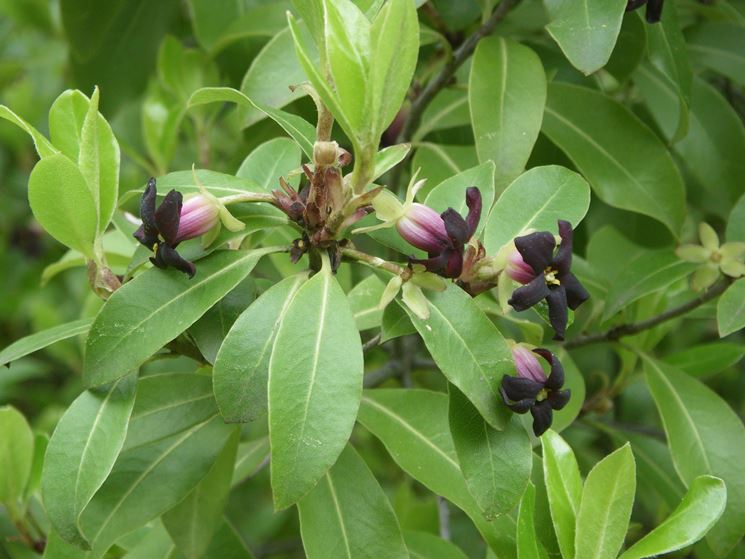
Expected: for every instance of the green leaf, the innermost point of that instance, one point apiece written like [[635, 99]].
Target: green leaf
[[155, 307], [625, 163], [82, 452], [440, 162], [183, 70], [506, 94], [169, 403], [451, 193], [564, 489], [667, 51], [43, 146], [698, 425], [348, 515], [731, 309], [364, 300], [736, 221], [273, 159], [315, 384], [241, 370], [41, 442], [423, 545], [705, 360], [413, 426], [227, 544], [394, 46], [528, 545], [605, 509], [495, 464], [194, 521], [162, 115], [631, 49], [575, 382], [63, 203], [270, 76], [389, 157], [468, 349], [395, 323], [258, 21], [148, 480], [649, 272], [537, 199], [16, 457], [115, 48], [586, 31], [349, 52], [300, 129], [40, 340], [720, 46], [448, 109], [699, 510], [251, 456]]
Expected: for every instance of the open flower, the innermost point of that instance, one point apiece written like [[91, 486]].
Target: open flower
[[411, 284], [546, 275], [727, 258], [531, 390], [654, 8]]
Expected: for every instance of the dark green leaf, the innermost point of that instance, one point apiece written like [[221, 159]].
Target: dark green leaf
[[731, 309], [16, 457], [705, 360], [40, 340]]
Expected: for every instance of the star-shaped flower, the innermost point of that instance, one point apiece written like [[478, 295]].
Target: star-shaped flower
[[531, 390], [546, 275], [727, 258]]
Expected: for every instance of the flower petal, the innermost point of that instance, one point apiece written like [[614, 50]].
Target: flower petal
[[521, 406], [168, 216], [732, 249], [537, 250], [654, 11], [520, 388], [167, 256], [528, 295], [732, 268], [576, 293], [693, 253], [563, 258], [704, 277], [542, 417], [473, 202], [708, 236], [556, 377], [454, 265], [147, 234], [455, 226], [557, 311], [559, 398]]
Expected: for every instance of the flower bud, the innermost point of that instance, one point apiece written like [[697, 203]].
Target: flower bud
[[199, 214], [527, 364], [518, 269], [423, 228]]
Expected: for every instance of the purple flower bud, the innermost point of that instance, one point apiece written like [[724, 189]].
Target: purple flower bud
[[423, 227], [199, 214], [527, 364], [518, 269]]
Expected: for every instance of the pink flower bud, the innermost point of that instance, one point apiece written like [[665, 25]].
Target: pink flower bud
[[527, 364], [518, 269], [199, 214], [423, 228]]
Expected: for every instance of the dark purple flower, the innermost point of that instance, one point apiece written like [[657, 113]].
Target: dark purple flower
[[654, 8], [160, 228], [443, 236], [552, 278], [532, 391]]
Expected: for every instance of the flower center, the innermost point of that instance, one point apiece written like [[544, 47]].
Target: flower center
[[715, 256], [542, 395], [551, 278]]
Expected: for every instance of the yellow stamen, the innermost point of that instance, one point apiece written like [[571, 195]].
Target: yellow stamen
[[551, 278]]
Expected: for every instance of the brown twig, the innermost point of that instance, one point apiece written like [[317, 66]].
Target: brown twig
[[617, 332]]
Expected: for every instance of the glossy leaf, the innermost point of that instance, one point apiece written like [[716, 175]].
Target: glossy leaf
[[705, 360], [650, 272], [150, 479], [495, 464], [625, 163], [315, 384], [528, 545], [700, 508], [736, 221], [440, 162], [537, 199], [587, 31], [251, 456], [364, 300], [43, 146], [423, 545], [506, 95], [468, 349], [241, 370], [195, 520], [154, 308], [63, 204], [564, 489], [605, 510], [348, 515], [389, 157], [300, 129], [269, 161], [16, 457], [82, 452], [40, 340], [706, 438], [449, 109], [719, 46], [731, 309]]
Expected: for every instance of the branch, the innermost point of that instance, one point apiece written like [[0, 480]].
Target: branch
[[373, 261], [443, 78], [617, 332]]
